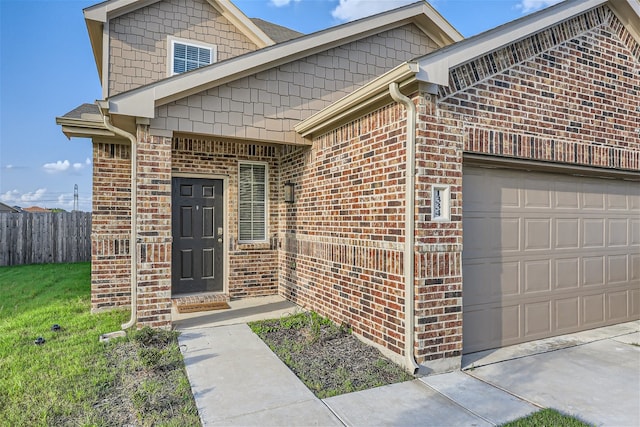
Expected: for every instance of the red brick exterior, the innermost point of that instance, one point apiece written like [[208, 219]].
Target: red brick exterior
[[574, 103], [343, 238], [110, 228], [569, 95]]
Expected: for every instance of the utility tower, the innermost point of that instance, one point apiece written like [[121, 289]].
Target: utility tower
[[75, 197]]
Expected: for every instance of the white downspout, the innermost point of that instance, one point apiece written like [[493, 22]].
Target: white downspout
[[409, 228], [133, 247]]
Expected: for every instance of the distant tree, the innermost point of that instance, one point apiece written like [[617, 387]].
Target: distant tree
[[57, 210]]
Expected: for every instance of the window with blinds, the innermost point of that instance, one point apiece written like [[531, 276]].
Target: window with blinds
[[187, 56], [252, 202]]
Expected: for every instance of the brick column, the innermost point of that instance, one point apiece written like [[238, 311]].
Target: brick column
[[438, 270], [154, 229]]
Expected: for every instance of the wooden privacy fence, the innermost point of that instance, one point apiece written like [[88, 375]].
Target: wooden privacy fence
[[41, 238]]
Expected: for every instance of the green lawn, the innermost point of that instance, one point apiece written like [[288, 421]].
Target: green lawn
[[547, 418], [68, 379]]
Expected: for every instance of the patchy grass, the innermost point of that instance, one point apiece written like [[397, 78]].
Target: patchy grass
[[327, 358], [547, 418], [70, 379]]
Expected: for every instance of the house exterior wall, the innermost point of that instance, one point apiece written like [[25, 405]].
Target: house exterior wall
[[269, 104], [575, 103], [253, 268], [342, 251], [138, 45], [572, 103], [110, 227], [568, 95]]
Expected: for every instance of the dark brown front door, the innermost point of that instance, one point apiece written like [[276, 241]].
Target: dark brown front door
[[198, 235]]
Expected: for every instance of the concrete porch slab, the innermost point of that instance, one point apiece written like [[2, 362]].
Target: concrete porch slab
[[241, 311]]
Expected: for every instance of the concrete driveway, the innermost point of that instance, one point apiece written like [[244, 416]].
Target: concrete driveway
[[598, 382]]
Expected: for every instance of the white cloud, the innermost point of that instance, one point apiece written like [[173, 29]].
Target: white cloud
[[349, 10], [281, 3], [532, 5], [9, 167], [15, 196], [59, 166], [65, 165]]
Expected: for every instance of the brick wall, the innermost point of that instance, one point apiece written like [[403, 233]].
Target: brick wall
[[576, 102], [154, 229], [343, 237], [438, 265], [111, 226], [269, 104], [253, 267], [138, 40]]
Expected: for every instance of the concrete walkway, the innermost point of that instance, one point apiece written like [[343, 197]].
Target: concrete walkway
[[237, 380]]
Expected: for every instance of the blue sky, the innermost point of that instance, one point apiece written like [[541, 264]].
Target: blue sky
[[47, 69]]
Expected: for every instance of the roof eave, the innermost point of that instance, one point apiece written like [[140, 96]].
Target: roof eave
[[628, 12], [434, 68], [141, 102], [83, 128], [360, 99]]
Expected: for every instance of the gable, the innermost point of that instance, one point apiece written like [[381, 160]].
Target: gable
[[139, 40], [572, 88], [267, 105]]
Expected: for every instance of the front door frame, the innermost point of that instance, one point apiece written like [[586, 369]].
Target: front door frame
[[225, 220]]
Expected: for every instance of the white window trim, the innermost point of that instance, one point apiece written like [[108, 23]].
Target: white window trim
[[266, 202], [445, 202], [171, 41]]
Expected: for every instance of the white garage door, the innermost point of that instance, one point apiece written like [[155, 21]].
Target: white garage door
[[546, 254]]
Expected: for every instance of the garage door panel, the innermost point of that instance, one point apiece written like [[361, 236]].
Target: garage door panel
[[567, 314], [567, 273], [617, 269], [509, 232], [556, 254], [593, 309], [566, 195], [634, 303], [618, 232], [618, 306], [567, 233], [501, 279], [537, 319], [616, 198], [593, 233], [593, 271], [635, 269], [537, 276], [537, 234], [593, 196], [635, 232]]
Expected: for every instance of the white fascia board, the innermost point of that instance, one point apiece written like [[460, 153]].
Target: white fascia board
[[628, 12], [434, 67], [141, 102], [112, 9], [242, 22]]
